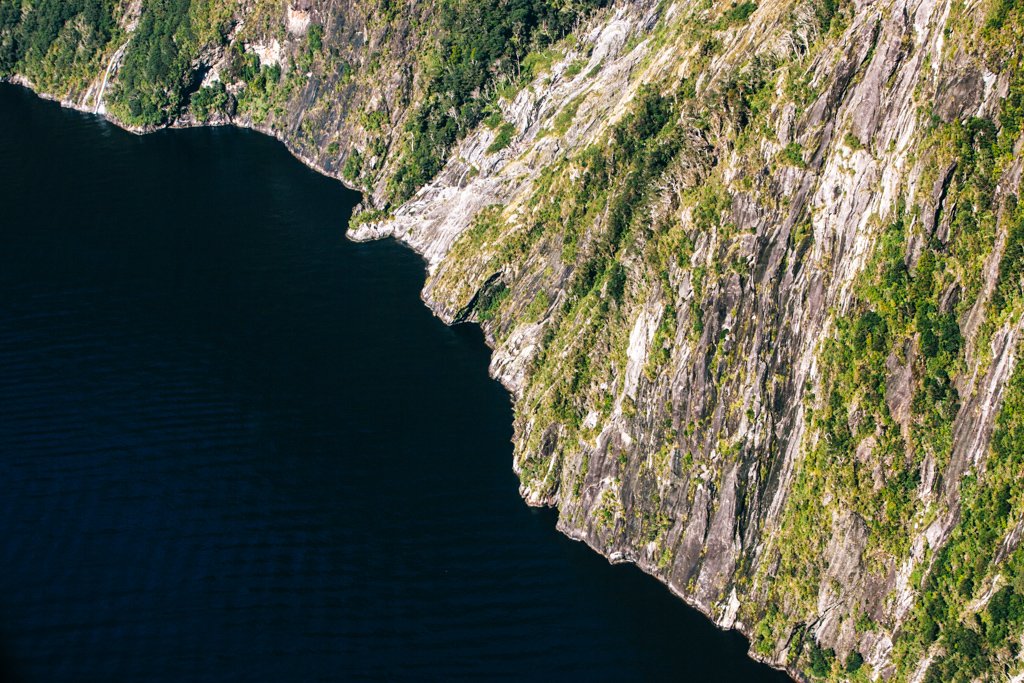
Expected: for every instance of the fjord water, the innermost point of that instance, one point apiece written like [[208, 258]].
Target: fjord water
[[234, 446]]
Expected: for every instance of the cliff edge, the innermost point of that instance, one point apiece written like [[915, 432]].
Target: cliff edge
[[753, 272]]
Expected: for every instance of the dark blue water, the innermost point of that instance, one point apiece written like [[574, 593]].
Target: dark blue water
[[236, 447]]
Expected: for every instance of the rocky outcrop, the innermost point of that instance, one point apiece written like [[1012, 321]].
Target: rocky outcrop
[[752, 276]]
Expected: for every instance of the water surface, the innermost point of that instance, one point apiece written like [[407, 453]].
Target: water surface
[[236, 447]]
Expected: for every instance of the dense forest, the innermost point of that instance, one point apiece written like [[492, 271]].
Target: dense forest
[[155, 71], [159, 72], [56, 43], [483, 45], [777, 247], [480, 49]]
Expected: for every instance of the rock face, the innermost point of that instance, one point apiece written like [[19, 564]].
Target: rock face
[[753, 276]]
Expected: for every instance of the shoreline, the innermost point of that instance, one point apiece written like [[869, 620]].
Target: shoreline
[[367, 234]]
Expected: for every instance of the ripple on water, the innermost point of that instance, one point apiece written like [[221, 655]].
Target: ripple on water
[[236, 447]]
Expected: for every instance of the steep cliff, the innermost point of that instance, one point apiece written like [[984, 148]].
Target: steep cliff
[[753, 273]]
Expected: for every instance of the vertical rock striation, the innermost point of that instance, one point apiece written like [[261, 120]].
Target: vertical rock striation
[[751, 272]]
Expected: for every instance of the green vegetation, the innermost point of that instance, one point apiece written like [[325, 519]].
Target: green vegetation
[[209, 99], [367, 216], [374, 121], [890, 369], [503, 138], [57, 44], [563, 119], [991, 503], [1011, 266], [261, 82], [353, 168], [61, 46], [575, 69], [906, 313], [821, 660], [610, 187], [315, 38], [493, 120], [538, 307], [483, 43], [863, 464], [155, 71], [738, 13], [490, 300], [793, 154], [156, 78]]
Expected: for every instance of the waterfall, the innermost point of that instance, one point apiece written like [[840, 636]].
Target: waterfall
[[114, 60]]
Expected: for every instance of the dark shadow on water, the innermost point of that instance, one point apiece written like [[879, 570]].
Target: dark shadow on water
[[237, 447]]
